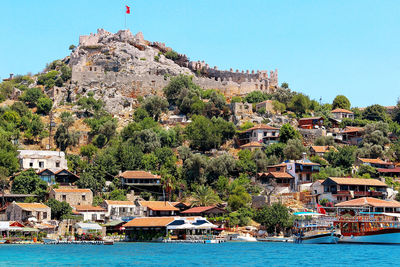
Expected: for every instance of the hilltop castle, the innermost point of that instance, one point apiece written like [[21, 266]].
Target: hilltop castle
[[137, 67]]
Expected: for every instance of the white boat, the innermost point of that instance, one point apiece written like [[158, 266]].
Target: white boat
[[314, 231], [242, 238], [323, 237]]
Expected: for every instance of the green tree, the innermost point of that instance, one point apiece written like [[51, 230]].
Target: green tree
[[88, 151], [375, 113], [93, 177], [44, 105], [59, 210], [341, 101], [256, 97], [155, 105], [31, 96], [275, 218], [223, 165], [28, 182], [204, 196], [294, 149], [287, 132], [201, 133], [299, 104], [117, 194], [343, 158], [64, 138]]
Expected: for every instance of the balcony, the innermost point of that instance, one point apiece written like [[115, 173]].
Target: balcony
[[359, 193]]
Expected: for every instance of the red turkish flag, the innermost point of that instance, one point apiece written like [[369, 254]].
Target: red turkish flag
[[128, 10]]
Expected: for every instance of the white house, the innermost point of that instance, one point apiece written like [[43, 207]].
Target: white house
[[42, 159], [261, 133], [116, 210], [90, 213]]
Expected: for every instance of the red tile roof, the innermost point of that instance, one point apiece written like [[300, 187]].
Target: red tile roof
[[375, 161], [118, 202], [322, 149], [72, 190], [201, 209], [341, 110], [350, 129], [252, 144], [310, 118], [357, 181], [150, 222], [262, 127], [397, 170], [32, 206], [158, 205], [277, 174], [138, 175], [369, 201], [87, 208]]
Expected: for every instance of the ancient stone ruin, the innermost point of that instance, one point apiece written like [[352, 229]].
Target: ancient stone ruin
[[123, 66]]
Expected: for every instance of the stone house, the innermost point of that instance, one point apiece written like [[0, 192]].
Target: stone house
[[252, 146], [267, 105], [73, 196], [42, 159], [340, 114], [24, 211], [321, 150], [116, 210]]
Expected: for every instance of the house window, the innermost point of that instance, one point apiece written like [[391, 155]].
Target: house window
[[31, 164], [94, 217], [58, 164], [83, 197], [273, 133], [265, 133], [45, 215], [64, 197], [41, 164]]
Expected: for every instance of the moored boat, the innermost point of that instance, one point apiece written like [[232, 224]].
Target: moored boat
[[374, 228], [314, 231]]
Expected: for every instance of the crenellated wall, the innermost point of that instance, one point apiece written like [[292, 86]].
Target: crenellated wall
[[229, 82]]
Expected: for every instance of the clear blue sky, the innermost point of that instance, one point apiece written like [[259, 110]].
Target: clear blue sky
[[321, 48]]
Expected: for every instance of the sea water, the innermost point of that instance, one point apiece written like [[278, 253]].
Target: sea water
[[225, 254]]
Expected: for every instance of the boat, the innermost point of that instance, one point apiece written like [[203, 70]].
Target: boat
[[369, 227], [309, 230], [49, 240], [242, 238], [108, 242], [3, 241]]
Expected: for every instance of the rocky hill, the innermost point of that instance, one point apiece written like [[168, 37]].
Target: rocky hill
[[120, 67]]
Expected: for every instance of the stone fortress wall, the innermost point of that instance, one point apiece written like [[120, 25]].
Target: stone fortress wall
[[229, 82]]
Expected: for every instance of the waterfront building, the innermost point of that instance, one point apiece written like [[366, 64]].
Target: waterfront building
[[25, 211], [158, 208], [208, 211], [118, 210], [338, 189], [73, 196], [90, 213]]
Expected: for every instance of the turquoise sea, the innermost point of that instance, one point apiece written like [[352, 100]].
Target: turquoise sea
[[226, 254]]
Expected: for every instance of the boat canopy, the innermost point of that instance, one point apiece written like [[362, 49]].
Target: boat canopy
[[307, 213]]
